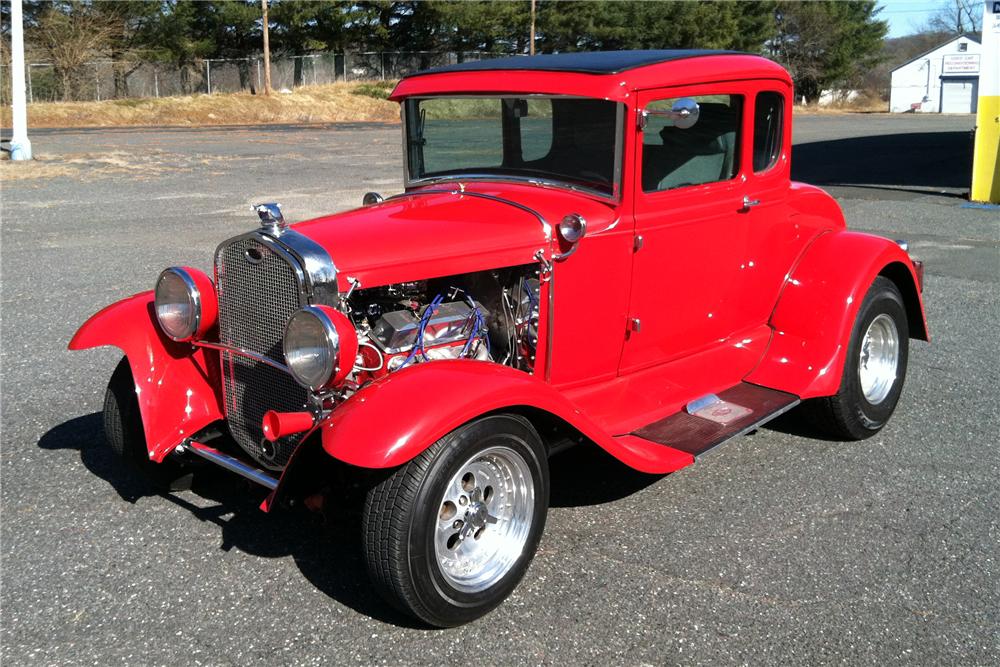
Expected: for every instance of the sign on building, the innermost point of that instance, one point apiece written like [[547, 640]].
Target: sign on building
[[961, 63]]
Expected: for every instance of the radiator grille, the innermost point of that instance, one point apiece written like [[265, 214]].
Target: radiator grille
[[258, 291]]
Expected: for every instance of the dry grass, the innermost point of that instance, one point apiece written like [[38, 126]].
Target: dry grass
[[25, 171], [91, 166], [339, 102], [864, 103]]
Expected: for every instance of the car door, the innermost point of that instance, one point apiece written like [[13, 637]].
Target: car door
[[777, 235], [690, 223]]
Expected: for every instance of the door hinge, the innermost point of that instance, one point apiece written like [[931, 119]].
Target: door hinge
[[638, 243], [634, 325]]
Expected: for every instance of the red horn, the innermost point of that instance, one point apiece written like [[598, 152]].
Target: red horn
[[279, 424]]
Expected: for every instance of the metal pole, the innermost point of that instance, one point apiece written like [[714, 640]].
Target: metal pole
[[985, 170], [97, 78], [345, 66], [20, 145], [259, 84], [208, 76], [156, 82], [381, 62], [31, 91]]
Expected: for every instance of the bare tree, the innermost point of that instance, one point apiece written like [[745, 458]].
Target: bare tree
[[69, 35], [957, 17]]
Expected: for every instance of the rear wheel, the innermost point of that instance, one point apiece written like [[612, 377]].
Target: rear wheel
[[124, 433], [450, 534], [874, 370]]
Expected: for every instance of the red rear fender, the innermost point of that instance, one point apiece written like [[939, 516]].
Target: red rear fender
[[176, 384], [390, 422], [819, 302]]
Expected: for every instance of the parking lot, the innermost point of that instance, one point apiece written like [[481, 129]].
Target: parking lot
[[778, 548]]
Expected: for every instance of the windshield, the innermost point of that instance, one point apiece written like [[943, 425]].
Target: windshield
[[570, 141]]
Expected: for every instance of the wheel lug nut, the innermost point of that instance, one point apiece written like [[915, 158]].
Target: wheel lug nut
[[458, 524], [463, 501]]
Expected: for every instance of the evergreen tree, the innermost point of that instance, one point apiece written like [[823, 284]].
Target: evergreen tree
[[828, 43]]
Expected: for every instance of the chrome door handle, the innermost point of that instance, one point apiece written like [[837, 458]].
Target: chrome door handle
[[749, 203]]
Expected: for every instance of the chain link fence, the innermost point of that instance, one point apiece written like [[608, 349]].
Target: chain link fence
[[121, 80]]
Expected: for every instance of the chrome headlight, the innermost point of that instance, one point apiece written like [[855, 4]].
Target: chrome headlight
[[185, 303], [320, 346]]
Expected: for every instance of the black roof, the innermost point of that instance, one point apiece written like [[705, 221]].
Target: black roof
[[586, 62]]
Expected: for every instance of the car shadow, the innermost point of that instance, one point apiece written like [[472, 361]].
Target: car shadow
[[798, 422], [919, 162], [586, 475], [325, 547]]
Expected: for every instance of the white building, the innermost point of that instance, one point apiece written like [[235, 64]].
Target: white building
[[944, 80]]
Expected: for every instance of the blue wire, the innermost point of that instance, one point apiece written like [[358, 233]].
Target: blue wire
[[418, 343]]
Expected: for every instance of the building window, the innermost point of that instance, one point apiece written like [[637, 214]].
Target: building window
[[963, 47]]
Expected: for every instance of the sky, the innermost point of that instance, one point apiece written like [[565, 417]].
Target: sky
[[907, 16]]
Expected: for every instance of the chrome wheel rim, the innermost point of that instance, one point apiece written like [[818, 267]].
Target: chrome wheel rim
[[483, 519], [879, 359]]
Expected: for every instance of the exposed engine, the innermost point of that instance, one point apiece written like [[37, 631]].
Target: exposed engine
[[489, 315]]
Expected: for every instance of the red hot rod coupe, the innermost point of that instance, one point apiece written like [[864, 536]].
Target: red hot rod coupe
[[599, 247]]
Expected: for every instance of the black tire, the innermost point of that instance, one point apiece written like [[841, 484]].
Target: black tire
[[401, 515], [849, 414], [124, 434]]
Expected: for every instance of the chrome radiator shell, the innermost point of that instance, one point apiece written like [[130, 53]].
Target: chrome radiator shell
[[260, 282]]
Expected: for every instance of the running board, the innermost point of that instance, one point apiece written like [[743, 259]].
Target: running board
[[230, 463], [712, 420]]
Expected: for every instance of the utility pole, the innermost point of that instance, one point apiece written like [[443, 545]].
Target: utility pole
[[20, 145], [267, 51], [531, 37]]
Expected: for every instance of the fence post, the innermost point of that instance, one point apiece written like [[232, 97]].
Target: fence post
[[31, 93], [156, 81], [345, 66], [208, 75], [97, 77], [259, 84], [381, 62]]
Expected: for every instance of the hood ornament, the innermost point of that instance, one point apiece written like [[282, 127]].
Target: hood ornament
[[271, 218]]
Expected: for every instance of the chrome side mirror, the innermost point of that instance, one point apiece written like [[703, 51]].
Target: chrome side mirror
[[684, 113]]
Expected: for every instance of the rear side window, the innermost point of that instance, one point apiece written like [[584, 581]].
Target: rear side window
[[767, 130], [706, 152]]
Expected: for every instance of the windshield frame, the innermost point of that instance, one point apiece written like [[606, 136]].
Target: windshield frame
[[615, 196]]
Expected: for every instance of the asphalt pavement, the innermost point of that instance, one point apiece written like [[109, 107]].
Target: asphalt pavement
[[779, 548]]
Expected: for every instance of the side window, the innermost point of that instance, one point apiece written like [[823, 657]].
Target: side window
[[706, 152], [767, 130]]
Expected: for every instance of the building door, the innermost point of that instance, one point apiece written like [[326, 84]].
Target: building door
[[959, 95]]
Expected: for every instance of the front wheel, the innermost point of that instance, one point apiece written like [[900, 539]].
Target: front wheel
[[124, 434], [451, 533], [874, 370]]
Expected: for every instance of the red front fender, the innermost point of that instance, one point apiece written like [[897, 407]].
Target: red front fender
[[175, 384], [815, 313], [390, 422]]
